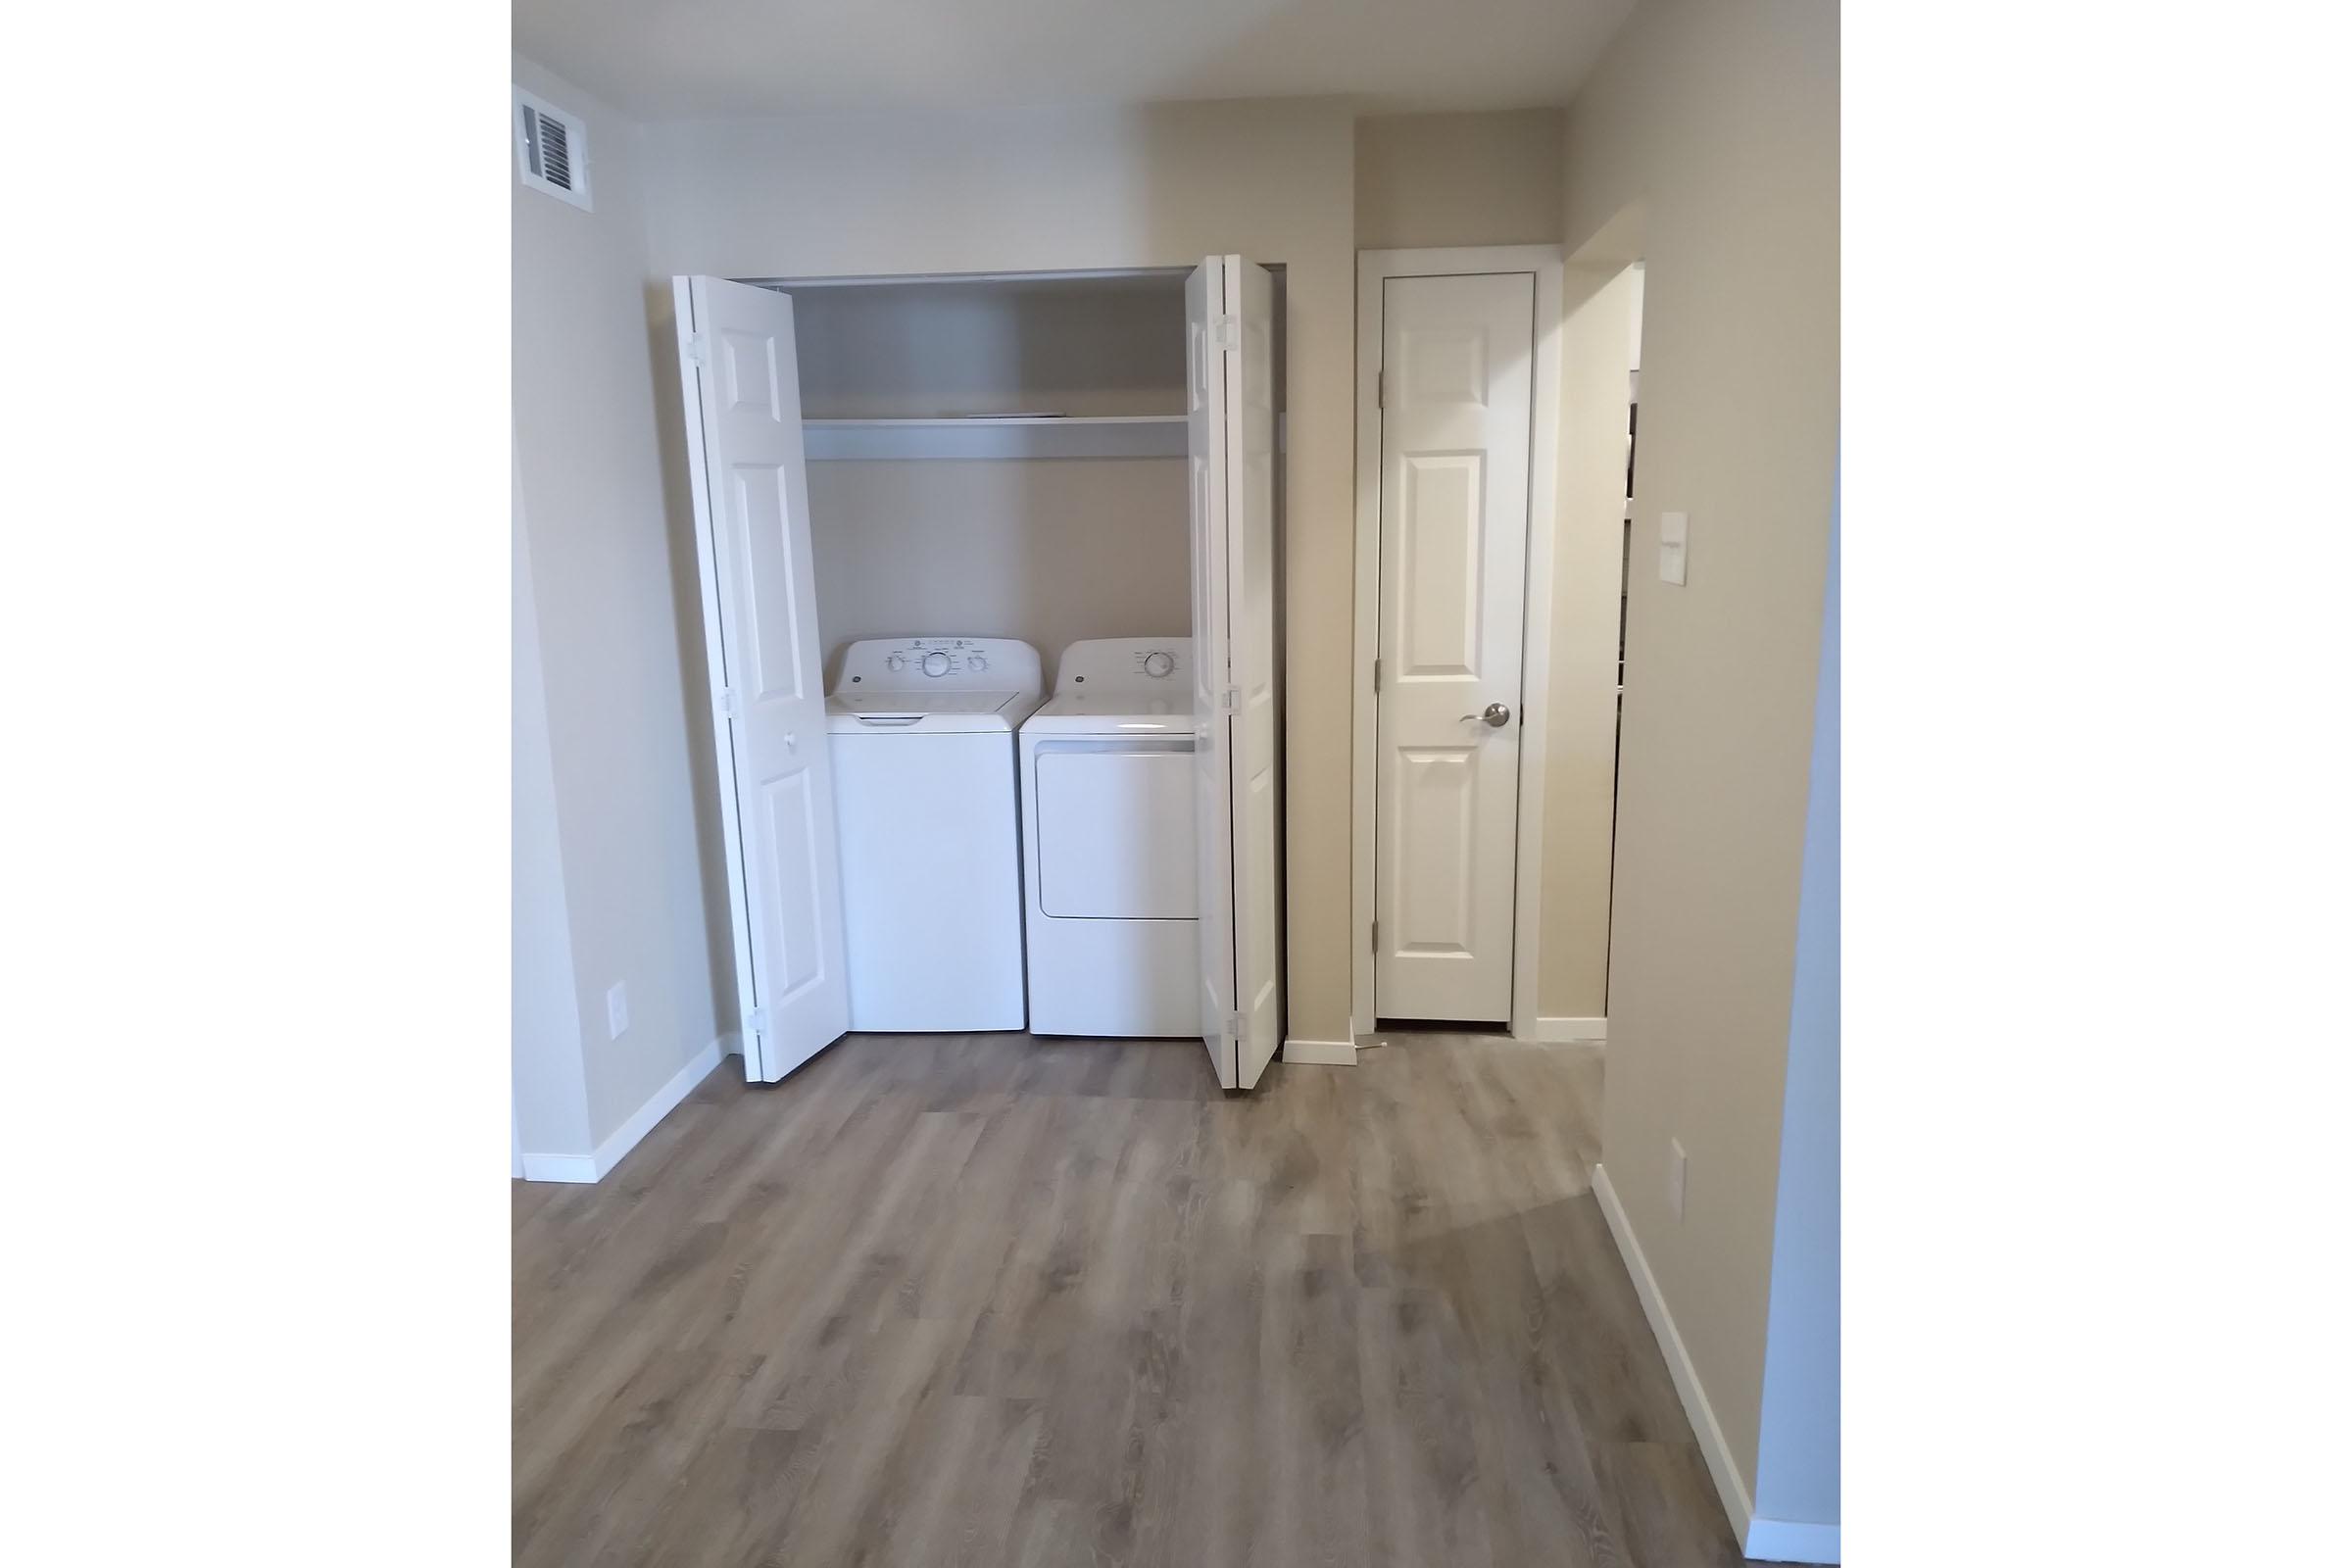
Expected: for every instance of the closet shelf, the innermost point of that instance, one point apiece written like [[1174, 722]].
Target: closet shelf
[[980, 435]]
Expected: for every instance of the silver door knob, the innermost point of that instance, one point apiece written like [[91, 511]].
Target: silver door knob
[[1496, 715]]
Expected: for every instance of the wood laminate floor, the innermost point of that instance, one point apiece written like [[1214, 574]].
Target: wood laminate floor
[[979, 1300]]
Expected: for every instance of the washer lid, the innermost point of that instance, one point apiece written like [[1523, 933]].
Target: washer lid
[[1114, 712], [939, 710]]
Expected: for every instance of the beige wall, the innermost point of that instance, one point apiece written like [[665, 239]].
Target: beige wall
[[854, 194], [602, 585], [550, 1086], [1496, 179], [1799, 1449], [1706, 142], [1457, 180], [1044, 551], [1601, 307]]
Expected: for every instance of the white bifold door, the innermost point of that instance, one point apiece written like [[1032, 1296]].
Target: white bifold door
[[1229, 326], [751, 502]]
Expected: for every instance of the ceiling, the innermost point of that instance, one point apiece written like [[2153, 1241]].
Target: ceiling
[[712, 58]]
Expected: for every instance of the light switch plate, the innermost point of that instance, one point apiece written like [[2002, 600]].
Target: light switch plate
[[1674, 547]]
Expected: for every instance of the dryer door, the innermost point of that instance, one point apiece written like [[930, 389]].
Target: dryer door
[[1115, 829]]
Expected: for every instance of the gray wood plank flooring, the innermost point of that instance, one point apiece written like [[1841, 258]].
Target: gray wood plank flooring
[[991, 1299]]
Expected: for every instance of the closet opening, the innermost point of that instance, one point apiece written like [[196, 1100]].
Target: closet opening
[[995, 463]]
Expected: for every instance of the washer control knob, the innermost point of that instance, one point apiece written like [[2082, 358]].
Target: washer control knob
[[1159, 665], [936, 664], [896, 662], [975, 663]]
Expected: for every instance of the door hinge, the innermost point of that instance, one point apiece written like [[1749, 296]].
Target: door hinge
[[1233, 1026], [1225, 331], [697, 350], [1376, 936], [729, 705], [1380, 393], [1229, 698], [1376, 677], [758, 1023]]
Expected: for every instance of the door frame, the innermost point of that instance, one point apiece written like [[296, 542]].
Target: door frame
[[1373, 269]]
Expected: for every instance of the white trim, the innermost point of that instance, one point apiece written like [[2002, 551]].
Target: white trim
[[1535, 645], [1791, 1540], [1569, 1031], [1319, 1052], [1372, 270], [1711, 1445], [629, 1134]]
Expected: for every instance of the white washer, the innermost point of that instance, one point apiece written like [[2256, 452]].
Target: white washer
[[922, 742], [1106, 839]]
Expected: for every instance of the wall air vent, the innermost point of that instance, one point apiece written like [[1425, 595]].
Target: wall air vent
[[551, 150]]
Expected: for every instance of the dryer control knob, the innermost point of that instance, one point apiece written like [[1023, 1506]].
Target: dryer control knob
[[1159, 665], [975, 663], [936, 664], [896, 662]]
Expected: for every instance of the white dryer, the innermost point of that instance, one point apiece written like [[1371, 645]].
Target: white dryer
[[922, 733], [1106, 839]]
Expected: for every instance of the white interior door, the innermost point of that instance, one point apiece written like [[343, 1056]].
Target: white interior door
[[751, 502], [1457, 388], [1229, 313]]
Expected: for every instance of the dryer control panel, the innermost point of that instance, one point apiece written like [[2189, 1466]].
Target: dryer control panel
[[1159, 665], [913, 664]]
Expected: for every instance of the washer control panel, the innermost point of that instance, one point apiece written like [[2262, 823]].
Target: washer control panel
[[1159, 665], [911, 663]]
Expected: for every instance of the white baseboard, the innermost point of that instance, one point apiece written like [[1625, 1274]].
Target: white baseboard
[[629, 1134], [1571, 1031], [1320, 1053], [1791, 1540], [1711, 1445]]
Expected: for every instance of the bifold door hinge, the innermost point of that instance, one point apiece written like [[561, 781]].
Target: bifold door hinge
[[758, 1023], [1229, 698], [729, 705], [1233, 1026], [698, 348], [1376, 677], [1225, 331], [1376, 936], [1380, 393]]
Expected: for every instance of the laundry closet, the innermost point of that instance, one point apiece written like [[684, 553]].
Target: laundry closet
[[903, 485]]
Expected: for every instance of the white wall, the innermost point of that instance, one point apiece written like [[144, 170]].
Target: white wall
[[1705, 143], [602, 583], [1798, 1447], [840, 195]]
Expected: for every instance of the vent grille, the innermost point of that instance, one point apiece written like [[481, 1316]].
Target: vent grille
[[554, 151], [550, 149]]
